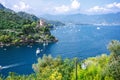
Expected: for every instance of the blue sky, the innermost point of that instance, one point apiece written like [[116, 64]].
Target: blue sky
[[40, 7]]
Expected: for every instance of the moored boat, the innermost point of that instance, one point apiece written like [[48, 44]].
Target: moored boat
[[37, 51], [0, 67]]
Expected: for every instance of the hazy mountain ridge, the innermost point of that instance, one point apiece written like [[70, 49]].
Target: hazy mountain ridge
[[111, 18]]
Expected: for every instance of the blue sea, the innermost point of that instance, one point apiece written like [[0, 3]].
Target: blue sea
[[80, 41]]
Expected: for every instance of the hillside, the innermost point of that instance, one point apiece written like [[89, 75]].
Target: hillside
[[16, 28], [28, 16], [10, 20]]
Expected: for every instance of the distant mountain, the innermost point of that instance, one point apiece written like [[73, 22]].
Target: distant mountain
[[112, 18], [55, 23], [28, 16]]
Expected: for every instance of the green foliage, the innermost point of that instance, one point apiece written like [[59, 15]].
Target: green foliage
[[21, 28], [27, 29], [49, 68], [113, 67], [93, 70], [28, 16], [5, 39], [11, 20], [114, 47], [55, 76]]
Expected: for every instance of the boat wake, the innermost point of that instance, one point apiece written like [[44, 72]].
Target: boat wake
[[12, 65]]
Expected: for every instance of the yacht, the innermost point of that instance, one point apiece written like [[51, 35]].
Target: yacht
[[37, 51], [0, 67], [98, 28]]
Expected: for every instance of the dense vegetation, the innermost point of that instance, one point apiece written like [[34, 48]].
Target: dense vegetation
[[15, 29], [102, 67], [28, 16]]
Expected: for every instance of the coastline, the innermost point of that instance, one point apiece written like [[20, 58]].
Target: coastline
[[27, 43]]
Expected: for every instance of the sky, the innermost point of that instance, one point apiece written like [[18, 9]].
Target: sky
[[54, 7]]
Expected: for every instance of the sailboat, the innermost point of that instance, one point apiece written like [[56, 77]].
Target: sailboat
[[37, 51]]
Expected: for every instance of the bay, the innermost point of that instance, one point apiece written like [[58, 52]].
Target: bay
[[80, 41]]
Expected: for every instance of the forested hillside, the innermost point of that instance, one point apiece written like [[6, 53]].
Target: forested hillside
[[9, 20], [28, 16], [22, 27]]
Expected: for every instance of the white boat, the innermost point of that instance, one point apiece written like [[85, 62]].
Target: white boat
[[45, 43], [0, 67], [37, 51], [98, 28]]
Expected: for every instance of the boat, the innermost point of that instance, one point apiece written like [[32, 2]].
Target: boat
[[5, 49], [37, 51], [44, 44], [98, 28], [30, 46], [0, 67]]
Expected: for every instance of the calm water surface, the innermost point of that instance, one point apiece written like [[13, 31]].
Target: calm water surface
[[80, 41]]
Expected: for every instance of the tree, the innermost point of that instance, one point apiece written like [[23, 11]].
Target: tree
[[5, 39], [55, 76], [27, 29], [114, 47], [33, 24], [113, 67]]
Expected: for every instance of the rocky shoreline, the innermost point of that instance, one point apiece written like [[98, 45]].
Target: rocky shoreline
[[27, 43]]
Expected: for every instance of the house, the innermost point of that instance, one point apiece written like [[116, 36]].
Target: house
[[41, 23]]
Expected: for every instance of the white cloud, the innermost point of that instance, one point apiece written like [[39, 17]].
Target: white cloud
[[75, 4], [113, 7], [66, 8], [21, 6], [62, 9], [97, 9]]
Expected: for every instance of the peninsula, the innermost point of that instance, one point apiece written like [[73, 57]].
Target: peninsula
[[22, 28]]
